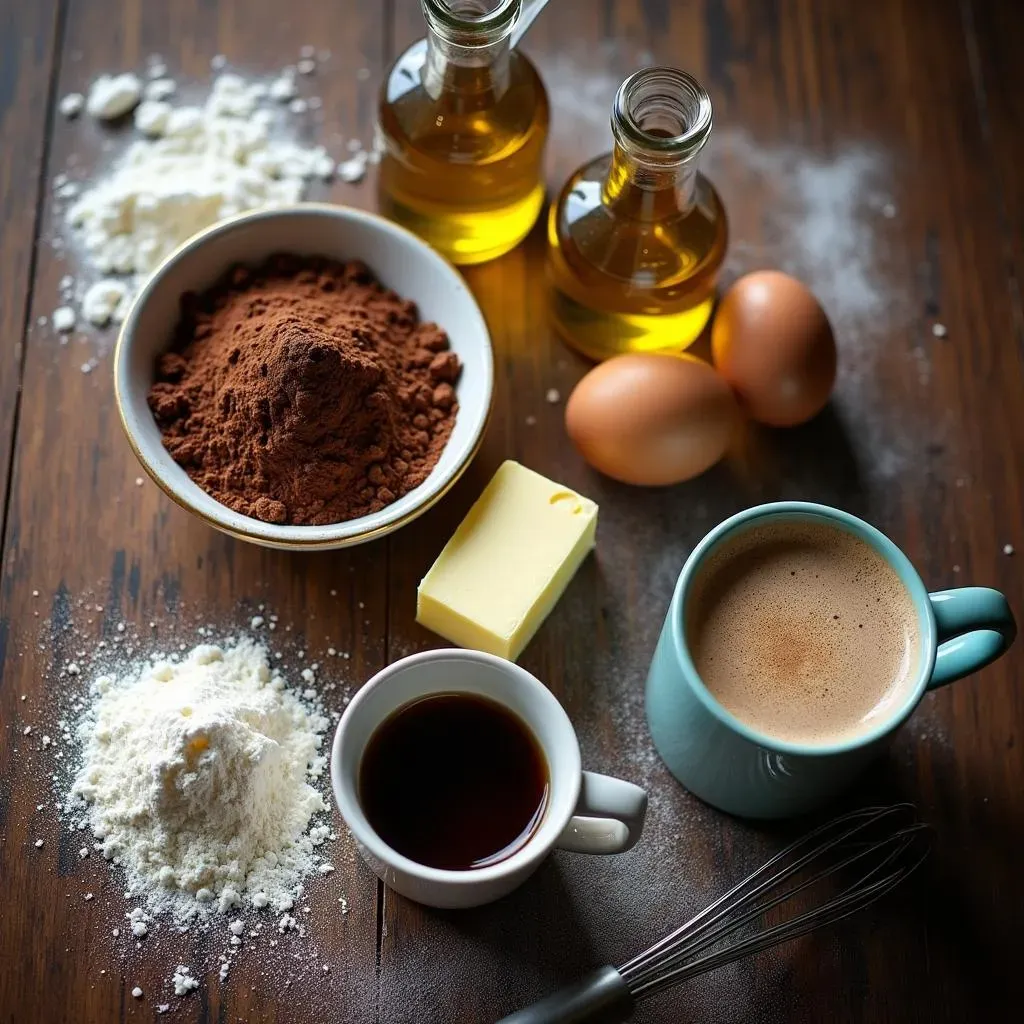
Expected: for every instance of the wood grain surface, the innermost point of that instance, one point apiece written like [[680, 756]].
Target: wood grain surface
[[874, 150]]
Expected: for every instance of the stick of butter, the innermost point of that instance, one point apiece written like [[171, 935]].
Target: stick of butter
[[508, 563]]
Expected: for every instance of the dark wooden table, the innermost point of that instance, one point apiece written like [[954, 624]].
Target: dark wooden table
[[872, 148]]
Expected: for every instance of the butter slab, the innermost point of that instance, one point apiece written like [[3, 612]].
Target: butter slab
[[508, 563]]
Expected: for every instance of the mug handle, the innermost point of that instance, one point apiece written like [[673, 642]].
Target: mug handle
[[975, 626], [609, 816]]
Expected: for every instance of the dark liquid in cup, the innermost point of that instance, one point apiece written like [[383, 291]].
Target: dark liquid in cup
[[453, 781]]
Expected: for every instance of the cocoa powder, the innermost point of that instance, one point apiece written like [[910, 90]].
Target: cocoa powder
[[303, 391]]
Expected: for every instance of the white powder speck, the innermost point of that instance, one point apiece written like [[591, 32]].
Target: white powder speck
[[353, 169], [298, 105], [553, 396], [282, 88], [136, 992], [152, 117], [72, 104], [306, 66], [218, 61], [257, 621], [183, 981], [88, 897], [105, 300], [39, 844], [161, 89], [63, 319], [1007, 549], [939, 330], [112, 96]]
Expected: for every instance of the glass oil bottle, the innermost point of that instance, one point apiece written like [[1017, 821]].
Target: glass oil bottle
[[637, 236], [462, 124]]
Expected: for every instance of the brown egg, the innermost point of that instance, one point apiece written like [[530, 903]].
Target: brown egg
[[651, 419], [773, 343]]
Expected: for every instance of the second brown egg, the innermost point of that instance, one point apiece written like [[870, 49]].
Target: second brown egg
[[772, 342]]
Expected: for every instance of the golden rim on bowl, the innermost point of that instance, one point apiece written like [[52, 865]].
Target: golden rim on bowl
[[258, 537]]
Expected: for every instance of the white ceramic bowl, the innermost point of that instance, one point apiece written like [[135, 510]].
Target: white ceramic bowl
[[399, 259]]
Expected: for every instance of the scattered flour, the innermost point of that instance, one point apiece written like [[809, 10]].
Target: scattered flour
[[108, 299], [190, 167], [112, 96], [196, 780], [159, 89], [71, 105], [183, 981], [63, 319]]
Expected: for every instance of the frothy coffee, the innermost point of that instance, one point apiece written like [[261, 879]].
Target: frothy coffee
[[802, 631]]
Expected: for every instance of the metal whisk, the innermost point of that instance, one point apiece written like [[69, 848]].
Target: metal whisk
[[856, 858]]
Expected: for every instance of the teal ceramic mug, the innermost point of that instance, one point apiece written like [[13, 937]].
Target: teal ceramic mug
[[737, 769]]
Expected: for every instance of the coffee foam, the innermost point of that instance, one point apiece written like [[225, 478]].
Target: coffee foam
[[802, 631]]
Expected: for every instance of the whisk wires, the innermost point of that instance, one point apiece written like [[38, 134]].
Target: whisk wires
[[868, 852]]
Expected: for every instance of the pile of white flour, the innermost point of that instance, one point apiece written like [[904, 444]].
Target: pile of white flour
[[188, 167], [195, 778]]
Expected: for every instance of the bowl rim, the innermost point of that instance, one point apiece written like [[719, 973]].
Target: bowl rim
[[295, 536]]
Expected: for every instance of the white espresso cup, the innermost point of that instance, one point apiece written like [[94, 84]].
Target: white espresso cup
[[584, 812]]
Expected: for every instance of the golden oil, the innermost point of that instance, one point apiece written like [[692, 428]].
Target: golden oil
[[637, 236], [462, 125]]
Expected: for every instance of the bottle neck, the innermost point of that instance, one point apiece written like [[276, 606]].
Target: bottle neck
[[469, 47], [648, 192], [661, 120], [468, 71]]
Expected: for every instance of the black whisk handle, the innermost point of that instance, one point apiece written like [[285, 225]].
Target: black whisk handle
[[602, 997]]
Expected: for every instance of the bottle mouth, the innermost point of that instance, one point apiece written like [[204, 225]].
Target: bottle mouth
[[471, 22], [662, 112]]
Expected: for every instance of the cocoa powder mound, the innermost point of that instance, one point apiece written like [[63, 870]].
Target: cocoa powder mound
[[303, 391]]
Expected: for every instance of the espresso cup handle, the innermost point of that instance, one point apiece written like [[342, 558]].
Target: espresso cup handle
[[609, 816], [974, 625]]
